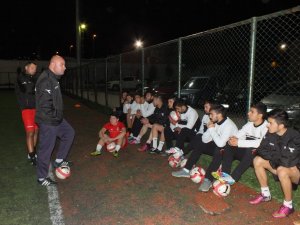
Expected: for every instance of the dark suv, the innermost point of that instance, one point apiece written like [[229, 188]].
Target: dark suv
[[197, 89]]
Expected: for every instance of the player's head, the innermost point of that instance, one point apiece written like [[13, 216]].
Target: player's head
[[180, 106], [30, 68], [124, 94], [158, 101], [129, 98], [148, 96], [257, 112], [278, 120], [57, 65], [207, 105], [171, 101], [114, 118], [137, 98], [217, 113]]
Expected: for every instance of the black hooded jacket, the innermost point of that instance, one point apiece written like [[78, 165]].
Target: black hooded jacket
[[25, 90]]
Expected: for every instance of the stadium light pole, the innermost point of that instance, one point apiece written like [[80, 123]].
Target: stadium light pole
[[78, 44]]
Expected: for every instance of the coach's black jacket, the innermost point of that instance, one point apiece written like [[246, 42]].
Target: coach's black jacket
[[160, 116], [25, 91], [281, 150], [49, 103]]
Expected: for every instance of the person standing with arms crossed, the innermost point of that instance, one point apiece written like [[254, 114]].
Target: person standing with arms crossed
[[49, 117], [25, 91]]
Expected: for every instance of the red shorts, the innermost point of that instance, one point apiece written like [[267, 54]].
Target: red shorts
[[28, 119]]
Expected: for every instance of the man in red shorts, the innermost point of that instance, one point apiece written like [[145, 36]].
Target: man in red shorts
[[116, 134], [25, 91]]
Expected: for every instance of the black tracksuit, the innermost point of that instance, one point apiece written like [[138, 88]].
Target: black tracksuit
[[160, 116], [25, 91]]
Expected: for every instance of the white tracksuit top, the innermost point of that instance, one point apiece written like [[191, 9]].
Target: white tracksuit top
[[204, 122]]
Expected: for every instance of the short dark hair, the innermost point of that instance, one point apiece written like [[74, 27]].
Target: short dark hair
[[180, 102], [148, 91], [210, 101], [280, 116], [261, 108], [218, 108], [138, 94], [28, 63], [159, 97], [115, 114]]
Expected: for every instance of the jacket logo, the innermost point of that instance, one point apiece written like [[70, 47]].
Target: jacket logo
[[292, 150], [48, 90], [271, 144], [56, 87]]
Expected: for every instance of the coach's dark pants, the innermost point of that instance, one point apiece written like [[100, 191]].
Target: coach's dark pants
[[47, 139]]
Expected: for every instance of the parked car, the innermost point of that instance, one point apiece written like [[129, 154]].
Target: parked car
[[197, 89], [287, 98], [128, 82], [166, 88]]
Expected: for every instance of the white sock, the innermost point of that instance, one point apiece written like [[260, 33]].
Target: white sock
[[265, 191], [186, 170], [160, 145], [117, 148], [154, 142], [59, 160], [288, 204], [138, 138], [98, 148]]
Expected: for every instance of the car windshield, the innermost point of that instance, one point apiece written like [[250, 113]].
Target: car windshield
[[290, 89], [196, 83]]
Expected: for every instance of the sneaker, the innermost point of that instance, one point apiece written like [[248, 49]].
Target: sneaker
[[283, 211], [164, 153], [115, 154], [63, 163], [181, 173], [205, 186], [223, 177], [47, 182], [260, 198], [130, 138], [154, 151], [144, 147], [95, 153], [134, 142], [33, 161]]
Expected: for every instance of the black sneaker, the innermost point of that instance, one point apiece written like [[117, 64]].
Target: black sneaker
[[63, 163], [154, 151], [47, 182], [33, 161]]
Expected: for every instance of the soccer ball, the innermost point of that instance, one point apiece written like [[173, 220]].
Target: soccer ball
[[63, 172], [197, 174], [221, 189], [183, 163], [177, 152], [174, 162], [174, 116], [111, 147]]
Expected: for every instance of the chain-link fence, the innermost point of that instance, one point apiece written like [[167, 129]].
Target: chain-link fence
[[250, 61]]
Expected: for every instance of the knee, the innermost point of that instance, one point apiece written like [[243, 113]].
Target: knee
[[258, 162], [30, 133], [282, 172]]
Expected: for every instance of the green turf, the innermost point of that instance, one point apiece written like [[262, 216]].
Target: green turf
[[22, 201]]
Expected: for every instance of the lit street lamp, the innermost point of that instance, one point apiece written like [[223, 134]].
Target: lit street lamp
[[138, 44], [82, 29]]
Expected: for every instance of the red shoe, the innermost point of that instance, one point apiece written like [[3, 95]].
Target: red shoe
[[259, 199], [144, 147], [283, 211]]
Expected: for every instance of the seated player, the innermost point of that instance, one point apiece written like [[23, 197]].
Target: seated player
[[278, 153], [241, 147], [133, 110], [219, 129], [186, 128], [119, 109], [116, 133], [158, 128], [126, 106]]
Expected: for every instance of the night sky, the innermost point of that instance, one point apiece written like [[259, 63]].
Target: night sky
[[33, 28]]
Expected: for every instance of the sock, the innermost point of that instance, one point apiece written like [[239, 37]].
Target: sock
[[154, 142], [186, 170], [117, 148], [148, 142], [98, 148], [265, 191], [138, 138], [160, 145], [288, 204], [59, 160]]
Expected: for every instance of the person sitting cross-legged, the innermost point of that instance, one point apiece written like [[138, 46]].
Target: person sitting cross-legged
[[278, 153]]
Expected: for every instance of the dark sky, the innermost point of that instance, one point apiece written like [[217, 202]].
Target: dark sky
[[44, 27]]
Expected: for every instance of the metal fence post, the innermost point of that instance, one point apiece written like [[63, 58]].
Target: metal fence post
[[143, 70], [120, 60], [252, 61], [106, 77], [179, 66], [95, 82]]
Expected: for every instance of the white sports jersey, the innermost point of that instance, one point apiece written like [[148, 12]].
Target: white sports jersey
[[220, 133], [190, 116], [204, 121], [134, 107], [250, 136], [147, 109], [126, 106]]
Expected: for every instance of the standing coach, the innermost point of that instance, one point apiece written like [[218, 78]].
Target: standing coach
[[49, 117]]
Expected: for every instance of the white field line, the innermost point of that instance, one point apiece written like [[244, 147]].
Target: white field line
[[56, 213]]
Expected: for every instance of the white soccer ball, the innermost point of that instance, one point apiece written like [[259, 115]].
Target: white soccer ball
[[177, 152], [174, 116], [63, 172], [111, 147], [183, 163], [174, 162], [197, 174], [221, 189]]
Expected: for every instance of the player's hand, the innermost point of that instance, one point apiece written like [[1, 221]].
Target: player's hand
[[233, 141], [144, 121], [177, 129], [210, 124], [138, 113]]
